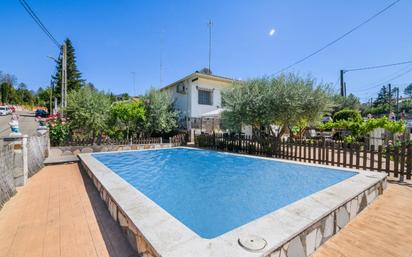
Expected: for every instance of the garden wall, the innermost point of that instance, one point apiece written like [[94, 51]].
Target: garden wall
[[37, 151], [20, 158], [74, 150], [7, 187]]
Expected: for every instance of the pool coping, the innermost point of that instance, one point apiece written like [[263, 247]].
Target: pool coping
[[163, 235]]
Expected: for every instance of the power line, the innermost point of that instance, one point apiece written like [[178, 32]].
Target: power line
[[383, 80], [391, 77], [38, 22], [379, 66], [339, 38], [370, 95], [398, 76]]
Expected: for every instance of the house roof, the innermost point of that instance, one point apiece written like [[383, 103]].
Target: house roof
[[198, 74]]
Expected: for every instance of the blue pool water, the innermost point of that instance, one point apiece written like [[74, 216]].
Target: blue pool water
[[213, 193]]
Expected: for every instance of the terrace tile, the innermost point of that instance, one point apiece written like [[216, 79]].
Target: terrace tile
[[60, 213], [382, 229]]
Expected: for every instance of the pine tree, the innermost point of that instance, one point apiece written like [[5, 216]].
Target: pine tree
[[383, 97], [408, 90], [74, 77]]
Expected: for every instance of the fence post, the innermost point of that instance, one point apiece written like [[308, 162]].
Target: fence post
[[287, 148], [305, 146], [20, 171], [338, 154], [345, 154], [309, 144], [214, 140], [380, 158], [372, 162], [295, 152], [396, 161], [365, 156], [324, 148], [402, 169], [409, 162], [351, 155]]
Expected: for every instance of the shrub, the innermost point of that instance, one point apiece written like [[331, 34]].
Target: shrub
[[347, 114], [58, 131]]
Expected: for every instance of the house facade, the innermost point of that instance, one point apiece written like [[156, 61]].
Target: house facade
[[198, 98]]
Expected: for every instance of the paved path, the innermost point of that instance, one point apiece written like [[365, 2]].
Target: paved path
[[27, 123], [59, 213], [384, 229]]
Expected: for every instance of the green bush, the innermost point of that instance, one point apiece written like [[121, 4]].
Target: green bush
[[58, 131], [361, 128], [347, 114]]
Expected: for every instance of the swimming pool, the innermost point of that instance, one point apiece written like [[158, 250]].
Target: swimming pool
[[213, 192], [183, 202]]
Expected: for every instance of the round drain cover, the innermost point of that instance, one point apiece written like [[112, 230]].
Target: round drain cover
[[252, 243]]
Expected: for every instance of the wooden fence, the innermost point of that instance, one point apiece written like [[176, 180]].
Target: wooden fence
[[178, 140], [394, 160]]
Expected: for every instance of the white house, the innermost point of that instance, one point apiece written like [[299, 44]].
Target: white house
[[198, 99]]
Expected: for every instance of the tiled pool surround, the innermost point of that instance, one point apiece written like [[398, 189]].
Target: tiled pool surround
[[297, 229]]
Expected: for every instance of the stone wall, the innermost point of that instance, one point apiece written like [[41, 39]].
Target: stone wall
[[312, 238], [7, 187], [134, 236], [20, 158], [74, 150], [37, 151]]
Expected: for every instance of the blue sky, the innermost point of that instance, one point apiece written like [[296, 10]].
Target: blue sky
[[115, 38]]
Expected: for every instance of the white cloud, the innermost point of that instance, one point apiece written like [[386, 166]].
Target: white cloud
[[272, 32]]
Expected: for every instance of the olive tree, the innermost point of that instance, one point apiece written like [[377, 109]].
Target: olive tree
[[247, 103], [161, 118], [88, 111], [298, 102], [127, 117], [288, 101]]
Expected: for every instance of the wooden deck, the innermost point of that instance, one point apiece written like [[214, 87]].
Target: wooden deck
[[384, 229], [59, 213]]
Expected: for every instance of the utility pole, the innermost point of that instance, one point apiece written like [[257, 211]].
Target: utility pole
[[342, 83], [51, 97], [390, 97], [210, 24], [64, 78], [397, 101]]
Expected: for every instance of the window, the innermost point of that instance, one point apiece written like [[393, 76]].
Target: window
[[180, 88], [205, 97]]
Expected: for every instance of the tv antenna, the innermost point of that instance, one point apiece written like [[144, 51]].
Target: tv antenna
[[210, 25]]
